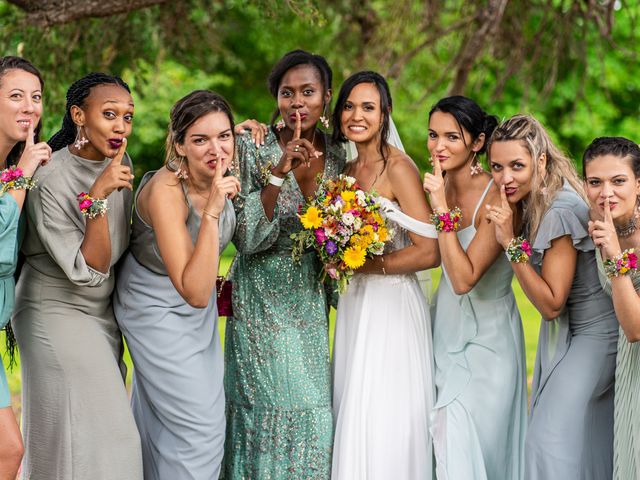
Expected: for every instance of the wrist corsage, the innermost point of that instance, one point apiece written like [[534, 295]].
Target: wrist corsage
[[518, 250], [13, 178], [91, 207], [447, 221], [621, 264]]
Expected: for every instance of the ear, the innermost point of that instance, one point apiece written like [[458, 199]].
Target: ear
[[478, 143], [77, 115], [327, 96], [638, 186], [542, 163], [180, 149]]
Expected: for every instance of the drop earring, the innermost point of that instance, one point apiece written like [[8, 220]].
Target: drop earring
[[280, 125], [80, 140], [476, 168], [324, 118], [180, 173]]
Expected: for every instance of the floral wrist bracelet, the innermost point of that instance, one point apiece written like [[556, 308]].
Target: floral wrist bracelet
[[518, 250], [13, 178], [621, 264], [91, 207], [447, 221]]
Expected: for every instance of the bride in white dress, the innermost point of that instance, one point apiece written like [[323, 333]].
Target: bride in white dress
[[383, 383]]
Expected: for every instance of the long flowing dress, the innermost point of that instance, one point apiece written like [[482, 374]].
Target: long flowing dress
[[9, 224], [626, 423], [178, 396], [277, 367], [77, 422], [478, 422], [383, 379], [570, 432]]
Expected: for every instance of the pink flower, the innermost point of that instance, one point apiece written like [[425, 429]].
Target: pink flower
[[526, 247], [86, 203], [633, 261], [17, 173], [6, 176], [320, 235]]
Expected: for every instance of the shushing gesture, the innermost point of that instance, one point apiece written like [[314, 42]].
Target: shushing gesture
[[434, 185], [502, 218], [115, 176], [298, 151], [221, 189], [603, 233], [34, 154]]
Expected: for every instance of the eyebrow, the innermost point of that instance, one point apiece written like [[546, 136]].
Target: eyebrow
[[206, 135], [306, 85], [115, 101]]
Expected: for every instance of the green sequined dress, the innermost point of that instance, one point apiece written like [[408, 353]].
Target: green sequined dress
[[277, 367]]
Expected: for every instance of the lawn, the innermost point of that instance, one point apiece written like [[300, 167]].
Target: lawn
[[530, 319]]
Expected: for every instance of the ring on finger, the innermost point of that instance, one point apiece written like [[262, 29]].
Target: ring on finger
[[296, 148]]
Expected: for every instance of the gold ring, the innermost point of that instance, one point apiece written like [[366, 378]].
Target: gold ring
[[296, 148]]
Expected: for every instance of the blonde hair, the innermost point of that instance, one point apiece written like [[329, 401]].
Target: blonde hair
[[544, 188]]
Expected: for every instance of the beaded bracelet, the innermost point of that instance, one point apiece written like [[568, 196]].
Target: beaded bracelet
[[621, 264], [13, 178], [447, 221], [91, 207], [518, 250]]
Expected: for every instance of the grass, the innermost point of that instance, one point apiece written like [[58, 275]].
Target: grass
[[530, 321]]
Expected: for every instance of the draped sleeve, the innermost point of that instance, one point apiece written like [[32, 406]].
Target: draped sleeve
[[254, 231], [568, 215]]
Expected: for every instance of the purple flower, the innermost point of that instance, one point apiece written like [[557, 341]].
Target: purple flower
[[331, 247]]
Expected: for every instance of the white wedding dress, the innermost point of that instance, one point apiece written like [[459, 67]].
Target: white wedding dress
[[383, 380]]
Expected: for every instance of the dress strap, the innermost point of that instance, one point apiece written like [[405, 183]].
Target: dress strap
[[482, 197]]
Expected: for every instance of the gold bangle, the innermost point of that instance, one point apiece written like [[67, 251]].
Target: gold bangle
[[384, 272], [204, 211]]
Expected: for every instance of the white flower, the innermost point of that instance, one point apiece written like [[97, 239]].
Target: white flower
[[357, 223], [348, 218]]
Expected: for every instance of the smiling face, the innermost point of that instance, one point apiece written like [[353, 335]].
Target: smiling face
[[512, 166], [450, 144], [208, 143], [106, 118], [361, 118], [301, 90], [612, 177], [20, 104]]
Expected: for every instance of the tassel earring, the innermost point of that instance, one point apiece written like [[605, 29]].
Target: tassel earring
[[80, 140]]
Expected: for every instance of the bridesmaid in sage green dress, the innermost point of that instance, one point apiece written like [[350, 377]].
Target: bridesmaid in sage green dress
[[21, 97], [612, 175], [277, 377]]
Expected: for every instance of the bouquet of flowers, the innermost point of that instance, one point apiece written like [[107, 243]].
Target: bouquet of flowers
[[343, 224]]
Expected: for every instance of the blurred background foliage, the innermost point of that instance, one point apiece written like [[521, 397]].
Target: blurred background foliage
[[571, 63]]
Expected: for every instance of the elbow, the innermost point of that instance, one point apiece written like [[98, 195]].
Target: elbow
[[633, 335], [196, 301], [461, 288], [550, 314]]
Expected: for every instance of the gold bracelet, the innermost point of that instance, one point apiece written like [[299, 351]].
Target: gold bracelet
[[204, 210], [384, 272]]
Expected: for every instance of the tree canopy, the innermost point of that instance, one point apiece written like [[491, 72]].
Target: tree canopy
[[571, 63]]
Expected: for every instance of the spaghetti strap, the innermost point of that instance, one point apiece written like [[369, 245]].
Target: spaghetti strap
[[482, 197]]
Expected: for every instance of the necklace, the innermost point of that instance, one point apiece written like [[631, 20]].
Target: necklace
[[627, 230]]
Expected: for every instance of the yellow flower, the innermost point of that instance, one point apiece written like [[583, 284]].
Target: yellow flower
[[348, 195], [383, 234], [354, 257], [311, 219]]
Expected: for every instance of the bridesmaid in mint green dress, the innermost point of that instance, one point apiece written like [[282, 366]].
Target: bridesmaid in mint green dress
[[21, 93], [277, 370], [478, 421], [611, 168]]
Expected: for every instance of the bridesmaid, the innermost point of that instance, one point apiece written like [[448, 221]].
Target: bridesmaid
[[76, 417], [542, 214], [277, 377], [165, 300], [480, 413], [21, 89], [612, 178]]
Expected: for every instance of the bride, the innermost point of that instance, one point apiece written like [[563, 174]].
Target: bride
[[383, 387]]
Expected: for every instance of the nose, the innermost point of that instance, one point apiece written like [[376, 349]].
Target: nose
[[119, 125], [606, 191], [28, 105], [439, 147], [297, 100], [214, 147], [507, 177]]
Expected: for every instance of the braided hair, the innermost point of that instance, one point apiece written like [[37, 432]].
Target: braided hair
[[77, 95], [7, 64]]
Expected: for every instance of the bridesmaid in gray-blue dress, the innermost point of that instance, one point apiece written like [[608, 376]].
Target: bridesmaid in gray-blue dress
[[570, 433], [165, 300]]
